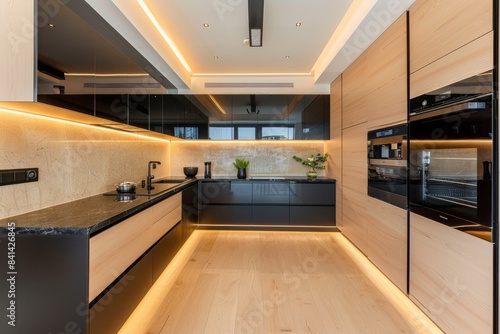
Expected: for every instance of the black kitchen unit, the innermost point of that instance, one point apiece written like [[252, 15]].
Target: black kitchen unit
[[284, 202], [452, 132], [387, 165]]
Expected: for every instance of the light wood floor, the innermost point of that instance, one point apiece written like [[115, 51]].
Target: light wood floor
[[274, 282]]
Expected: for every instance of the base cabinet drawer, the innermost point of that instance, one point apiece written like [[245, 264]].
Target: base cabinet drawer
[[111, 311], [270, 215], [312, 215], [226, 214]]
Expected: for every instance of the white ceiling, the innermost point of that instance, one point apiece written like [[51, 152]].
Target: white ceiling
[[332, 34]]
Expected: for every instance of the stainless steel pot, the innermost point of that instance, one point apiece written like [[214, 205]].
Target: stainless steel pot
[[126, 187]]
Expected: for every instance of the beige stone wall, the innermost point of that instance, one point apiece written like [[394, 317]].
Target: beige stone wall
[[266, 157], [74, 161]]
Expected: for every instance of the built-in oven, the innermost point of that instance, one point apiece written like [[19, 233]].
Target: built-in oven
[[451, 133], [387, 165]]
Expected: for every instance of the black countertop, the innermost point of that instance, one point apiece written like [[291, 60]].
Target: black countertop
[[92, 214], [89, 215]]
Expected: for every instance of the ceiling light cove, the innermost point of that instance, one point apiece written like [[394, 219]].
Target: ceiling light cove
[[162, 32]]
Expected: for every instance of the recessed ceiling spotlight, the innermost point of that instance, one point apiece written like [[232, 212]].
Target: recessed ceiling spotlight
[[216, 57], [51, 25], [206, 25], [287, 57], [298, 24]]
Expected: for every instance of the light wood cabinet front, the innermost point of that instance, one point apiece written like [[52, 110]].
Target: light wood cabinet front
[[112, 251], [387, 230], [355, 158], [451, 276], [387, 80], [474, 58], [334, 145], [354, 92], [439, 27]]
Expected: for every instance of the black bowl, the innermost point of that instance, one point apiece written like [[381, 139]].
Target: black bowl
[[190, 171]]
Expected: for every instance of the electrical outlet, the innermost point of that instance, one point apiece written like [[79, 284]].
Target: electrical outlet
[[15, 176]]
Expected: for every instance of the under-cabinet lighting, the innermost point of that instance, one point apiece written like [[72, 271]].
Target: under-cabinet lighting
[[107, 75], [70, 122], [162, 32]]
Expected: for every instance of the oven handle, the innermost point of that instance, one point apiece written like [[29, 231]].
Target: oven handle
[[443, 110], [388, 162]]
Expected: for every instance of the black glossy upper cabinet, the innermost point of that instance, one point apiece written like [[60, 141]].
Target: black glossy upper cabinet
[[86, 66]]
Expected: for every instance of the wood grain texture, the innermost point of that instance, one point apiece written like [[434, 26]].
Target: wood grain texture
[[451, 276], [355, 218], [274, 282], [17, 68], [355, 158], [334, 145], [387, 80], [471, 59], [387, 230], [354, 92], [439, 27], [112, 251]]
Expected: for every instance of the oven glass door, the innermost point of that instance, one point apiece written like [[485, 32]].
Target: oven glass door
[[450, 163]]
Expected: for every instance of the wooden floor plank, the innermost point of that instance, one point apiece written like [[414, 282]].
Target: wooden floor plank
[[274, 282]]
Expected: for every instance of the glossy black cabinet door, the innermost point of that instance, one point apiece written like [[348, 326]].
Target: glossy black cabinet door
[[226, 214], [189, 211], [226, 192], [270, 193], [312, 215], [312, 193], [270, 214]]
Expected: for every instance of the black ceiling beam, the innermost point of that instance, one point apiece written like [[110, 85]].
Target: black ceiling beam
[[255, 21]]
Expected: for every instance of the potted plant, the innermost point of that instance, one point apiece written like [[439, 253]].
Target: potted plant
[[241, 165], [313, 162]]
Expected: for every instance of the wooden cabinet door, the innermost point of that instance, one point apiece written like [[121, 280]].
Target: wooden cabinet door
[[387, 229], [354, 91], [387, 84], [438, 27], [355, 158], [334, 145], [355, 185], [474, 58], [451, 276]]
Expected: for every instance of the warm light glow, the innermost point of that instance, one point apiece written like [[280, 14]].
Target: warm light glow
[[221, 110], [162, 32], [252, 141], [350, 22], [107, 75], [68, 122], [403, 304], [274, 74]]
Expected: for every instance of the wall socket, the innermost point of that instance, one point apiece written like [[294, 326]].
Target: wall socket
[[15, 176]]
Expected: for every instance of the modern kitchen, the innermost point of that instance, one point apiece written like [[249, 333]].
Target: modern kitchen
[[165, 165]]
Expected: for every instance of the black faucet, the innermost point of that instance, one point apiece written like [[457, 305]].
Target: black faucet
[[151, 177]]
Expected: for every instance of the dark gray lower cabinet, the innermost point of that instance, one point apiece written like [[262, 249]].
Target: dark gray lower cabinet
[[226, 214], [261, 202], [270, 214]]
